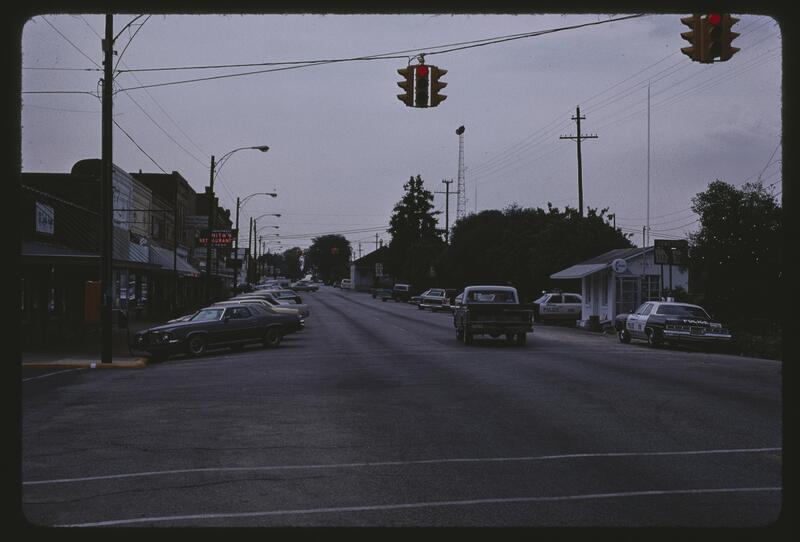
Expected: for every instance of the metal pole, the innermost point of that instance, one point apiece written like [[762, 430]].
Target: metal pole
[[236, 251], [106, 191], [580, 166], [647, 241], [175, 252], [210, 229]]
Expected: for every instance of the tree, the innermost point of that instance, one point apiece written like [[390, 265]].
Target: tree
[[329, 256], [415, 243], [736, 256], [291, 258], [523, 247]]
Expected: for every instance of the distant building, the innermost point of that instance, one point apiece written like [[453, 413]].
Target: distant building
[[620, 280], [370, 271]]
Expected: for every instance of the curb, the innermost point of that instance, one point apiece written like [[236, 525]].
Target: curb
[[138, 363]]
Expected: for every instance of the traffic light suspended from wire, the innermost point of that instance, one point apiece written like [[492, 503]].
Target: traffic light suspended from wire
[[421, 85], [710, 36]]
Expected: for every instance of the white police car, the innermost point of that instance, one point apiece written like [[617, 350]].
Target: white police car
[[557, 306]]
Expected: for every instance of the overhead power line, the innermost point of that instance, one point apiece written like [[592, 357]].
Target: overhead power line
[[427, 51]]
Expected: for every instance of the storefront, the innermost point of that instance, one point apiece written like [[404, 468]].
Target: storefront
[[620, 280]]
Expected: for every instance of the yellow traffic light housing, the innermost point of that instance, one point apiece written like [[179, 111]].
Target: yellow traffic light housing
[[693, 36], [437, 85], [408, 85], [726, 50]]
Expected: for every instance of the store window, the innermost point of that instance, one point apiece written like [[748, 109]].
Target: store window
[[651, 288]]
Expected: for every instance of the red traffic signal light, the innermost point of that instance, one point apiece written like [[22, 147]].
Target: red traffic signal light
[[421, 83]]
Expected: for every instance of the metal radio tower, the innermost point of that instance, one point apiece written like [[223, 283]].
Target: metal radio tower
[[461, 198]]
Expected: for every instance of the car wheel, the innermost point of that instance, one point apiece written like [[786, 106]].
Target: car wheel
[[522, 339], [652, 338], [467, 337], [272, 338], [624, 336], [511, 338], [419, 307], [196, 345]]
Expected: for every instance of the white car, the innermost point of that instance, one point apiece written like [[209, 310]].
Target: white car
[[557, 306]]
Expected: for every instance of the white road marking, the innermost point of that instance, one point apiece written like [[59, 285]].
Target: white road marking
[[396, 464], [421, 505], [52, 374]]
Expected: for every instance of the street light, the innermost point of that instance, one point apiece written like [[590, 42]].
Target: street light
[[214, 170], [238, 205]]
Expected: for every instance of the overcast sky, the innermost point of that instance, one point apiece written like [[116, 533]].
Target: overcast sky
[[342, 144]]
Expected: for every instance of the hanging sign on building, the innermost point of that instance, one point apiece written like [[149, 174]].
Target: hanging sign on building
[[670, 251], [45, 219], [219, 238]]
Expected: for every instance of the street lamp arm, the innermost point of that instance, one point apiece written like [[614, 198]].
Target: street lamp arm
[[224, 158], [273, 194]]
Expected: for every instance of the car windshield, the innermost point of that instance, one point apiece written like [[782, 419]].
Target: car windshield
[[435, 292], [491, 296], [401, 287], [687, 311], [541, 299], [207, 315]]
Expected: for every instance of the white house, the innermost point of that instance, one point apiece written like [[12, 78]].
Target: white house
[[619, 280]]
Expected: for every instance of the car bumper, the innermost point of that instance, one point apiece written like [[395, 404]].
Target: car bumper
[[499, 328], [686, 336]]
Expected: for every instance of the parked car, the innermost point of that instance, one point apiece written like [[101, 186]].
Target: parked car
[[434, 299], [401, 292], [272, 300], [557, 306], [658, 322], [346, 284], [304, 286], [287, 295], [212, 327], [294, 320], [381, 293], [457, 301], [493, 311]]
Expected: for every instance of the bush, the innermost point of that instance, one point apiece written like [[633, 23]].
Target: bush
[[766, 344]]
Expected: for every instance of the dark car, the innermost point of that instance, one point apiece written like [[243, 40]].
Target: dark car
[[381, 293], [211, 327], [401, 292], [292, 322], [658, 322], [304, 286]]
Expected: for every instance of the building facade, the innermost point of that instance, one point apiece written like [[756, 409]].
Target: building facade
[[620, 280]]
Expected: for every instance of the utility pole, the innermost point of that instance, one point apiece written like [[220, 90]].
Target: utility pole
[[376, 241], [578, 138], [106, 194], [446, 210], [210, 230]]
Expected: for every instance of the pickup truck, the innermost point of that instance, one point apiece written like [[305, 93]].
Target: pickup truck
[[493, 311]]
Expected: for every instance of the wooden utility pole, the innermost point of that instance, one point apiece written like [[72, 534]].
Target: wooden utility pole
[[578, 139], [106, 191], [446, 209]]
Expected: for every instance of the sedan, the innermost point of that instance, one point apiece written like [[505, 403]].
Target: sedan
[[657, 322], [211, 327], [274, 301], [434, 299], [304, 286]]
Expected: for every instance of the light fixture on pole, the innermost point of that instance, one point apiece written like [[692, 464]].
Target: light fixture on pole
[[215, 167], [236, 241]]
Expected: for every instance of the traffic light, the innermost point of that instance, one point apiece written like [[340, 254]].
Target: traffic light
[[693, 36], [421, 81], [437, 85], [408, 85], [727, 36]]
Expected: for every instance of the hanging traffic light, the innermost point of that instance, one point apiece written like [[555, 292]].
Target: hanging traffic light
[[710, 36], [693, 36], [437, 85], [408, 85], [726, 50], [421, 82]]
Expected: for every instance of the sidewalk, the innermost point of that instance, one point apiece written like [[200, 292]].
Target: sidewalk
[[88, 354]]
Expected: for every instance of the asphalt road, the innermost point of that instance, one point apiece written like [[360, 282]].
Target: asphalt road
[[375, 415]]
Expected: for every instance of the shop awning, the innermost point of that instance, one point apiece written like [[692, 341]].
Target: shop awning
[[579, 271], [165, 258]]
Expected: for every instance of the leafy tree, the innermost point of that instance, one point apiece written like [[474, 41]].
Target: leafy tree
[[523, 247], [329, 256], [736, 257], [415, 243], [291, 258]]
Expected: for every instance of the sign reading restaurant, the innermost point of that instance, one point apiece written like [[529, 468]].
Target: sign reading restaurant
[[219, 238], [45, 219]]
